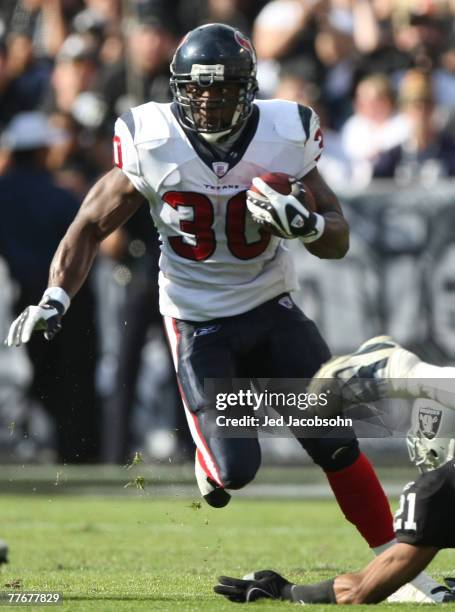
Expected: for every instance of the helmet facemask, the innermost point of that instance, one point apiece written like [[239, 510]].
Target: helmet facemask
[[428, 455], [208, 113]]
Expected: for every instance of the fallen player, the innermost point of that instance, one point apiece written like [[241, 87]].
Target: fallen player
[[424, 521]]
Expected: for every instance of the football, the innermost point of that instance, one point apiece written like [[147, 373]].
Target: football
[[282, 182]]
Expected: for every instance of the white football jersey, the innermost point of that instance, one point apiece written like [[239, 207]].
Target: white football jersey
[[216, 261]]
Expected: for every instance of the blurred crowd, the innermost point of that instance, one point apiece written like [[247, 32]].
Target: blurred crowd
[[380, 73]]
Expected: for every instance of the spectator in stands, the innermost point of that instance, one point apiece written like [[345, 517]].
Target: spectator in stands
[[73, 94], [335, 48], [226, 11], [112, 48], [324, 36], [29, 77], [407, 34], [374, 126], [286, 30], [378, 52], [74, 162], [144, 73], [333, 164], [428, 152], [35, 215], [74, 73], [240, 13], [23, 79], [420, 30], [9, 100], [98, 15], [43, 21], [137, 246], [444, 75]]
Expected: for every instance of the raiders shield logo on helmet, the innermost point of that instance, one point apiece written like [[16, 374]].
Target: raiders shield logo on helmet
[[429, 421]]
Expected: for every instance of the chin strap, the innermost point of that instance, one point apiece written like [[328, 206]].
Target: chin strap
[[215, 136]]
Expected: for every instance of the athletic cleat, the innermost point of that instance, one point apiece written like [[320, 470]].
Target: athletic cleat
[[369, 374], [214, 495], [380, 354]]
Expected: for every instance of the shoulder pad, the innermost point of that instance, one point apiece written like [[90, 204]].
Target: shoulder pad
[[148, 124], [286, 119]]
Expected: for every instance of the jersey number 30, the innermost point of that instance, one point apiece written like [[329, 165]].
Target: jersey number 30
[[201, 242]]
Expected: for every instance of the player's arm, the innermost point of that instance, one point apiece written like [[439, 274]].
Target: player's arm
[[107, 206], [334, 240], [320, 226], [311, 211], [382, 577]]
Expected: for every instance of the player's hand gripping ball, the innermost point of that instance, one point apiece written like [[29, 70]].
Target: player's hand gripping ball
[[280, 204]]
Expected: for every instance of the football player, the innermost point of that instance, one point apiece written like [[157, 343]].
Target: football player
[[225, 272], [379, 369], [423, 525]]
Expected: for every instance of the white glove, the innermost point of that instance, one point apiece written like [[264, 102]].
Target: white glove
[[47, 316], [284, 215]]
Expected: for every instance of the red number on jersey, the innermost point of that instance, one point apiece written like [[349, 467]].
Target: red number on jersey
[[200, 226], [202, 234], [235, 230], [118, 158]]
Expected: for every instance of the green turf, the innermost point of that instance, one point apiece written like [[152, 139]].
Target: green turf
[[123, 553]]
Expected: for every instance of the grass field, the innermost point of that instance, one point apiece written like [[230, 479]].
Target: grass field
[[141, 553]]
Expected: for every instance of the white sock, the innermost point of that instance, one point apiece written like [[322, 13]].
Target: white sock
[[380, 549]]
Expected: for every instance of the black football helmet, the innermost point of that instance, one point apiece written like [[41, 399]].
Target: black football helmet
[[214, 55]]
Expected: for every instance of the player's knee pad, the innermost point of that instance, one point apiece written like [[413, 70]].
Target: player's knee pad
[[333, 454]]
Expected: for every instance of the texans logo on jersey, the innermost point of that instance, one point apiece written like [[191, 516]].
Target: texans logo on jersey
[[429, 421], [244, 42]]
